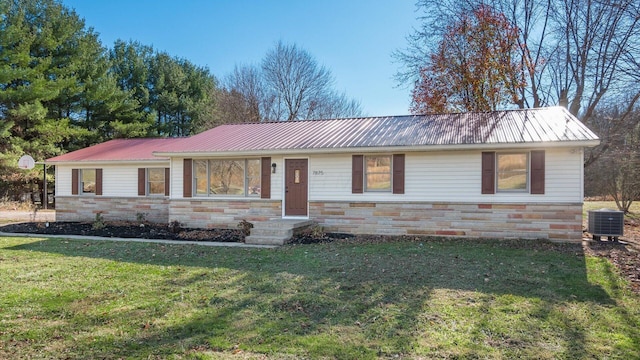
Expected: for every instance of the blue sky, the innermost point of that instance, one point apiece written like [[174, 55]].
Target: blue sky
[[353, 38]]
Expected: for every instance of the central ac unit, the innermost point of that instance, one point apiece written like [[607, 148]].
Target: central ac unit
[[605, 222]]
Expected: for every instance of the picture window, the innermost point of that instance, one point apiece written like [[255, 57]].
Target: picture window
[[238, 177]]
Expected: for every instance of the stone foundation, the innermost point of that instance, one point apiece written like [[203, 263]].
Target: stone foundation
[[80, 208], [220, 213], [527, 221]]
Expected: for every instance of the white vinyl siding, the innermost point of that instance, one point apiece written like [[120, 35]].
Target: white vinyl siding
[[453, 176], [63, 180], [117, 180]]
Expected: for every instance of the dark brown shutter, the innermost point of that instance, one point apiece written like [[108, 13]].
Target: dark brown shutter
[[142, 182], [187, 180], [167, 181], [265, 178], [357, 173], [75, 181], [98, 181], [488, 172], [398, 173], [537, 172]]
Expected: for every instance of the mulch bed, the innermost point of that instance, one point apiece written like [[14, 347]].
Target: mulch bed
[[126, 230]]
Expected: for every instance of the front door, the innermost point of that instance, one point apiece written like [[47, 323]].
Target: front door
[[295, 187]]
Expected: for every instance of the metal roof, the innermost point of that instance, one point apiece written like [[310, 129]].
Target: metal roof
[[543, 125], [118, 150]]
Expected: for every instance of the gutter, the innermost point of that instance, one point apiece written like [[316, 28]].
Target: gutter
[[414, 148], [108, 162]]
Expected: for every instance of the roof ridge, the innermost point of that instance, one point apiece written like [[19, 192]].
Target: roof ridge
[[319, 120], [397, 116], [492, 111]]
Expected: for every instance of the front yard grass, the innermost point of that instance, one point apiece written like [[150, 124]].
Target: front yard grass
[[71, 299]]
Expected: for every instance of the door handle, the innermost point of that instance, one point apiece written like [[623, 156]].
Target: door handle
[[286, 189]]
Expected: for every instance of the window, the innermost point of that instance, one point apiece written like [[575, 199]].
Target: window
[[512, 171], [88, 181], [155, 181], [253, 177], [381, 173], [240, 177], [378, 173]]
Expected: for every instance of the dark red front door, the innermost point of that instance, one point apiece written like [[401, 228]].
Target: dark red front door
[[295, 187]]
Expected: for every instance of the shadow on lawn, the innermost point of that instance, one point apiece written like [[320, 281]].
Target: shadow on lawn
[[287, 297]]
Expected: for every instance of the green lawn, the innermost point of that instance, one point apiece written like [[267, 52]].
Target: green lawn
[[65, 299]]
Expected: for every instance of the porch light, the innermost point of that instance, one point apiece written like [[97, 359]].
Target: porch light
[[273, 168]]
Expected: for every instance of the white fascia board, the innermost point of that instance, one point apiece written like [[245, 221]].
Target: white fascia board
[[422, 148], [110, 162]]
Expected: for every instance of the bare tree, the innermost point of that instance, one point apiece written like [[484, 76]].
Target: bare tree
[[616, 172], [596, 36], [297, 87], [246, 81], [298, 83], [224, 107], [287, 85], [578, 53], [339, 105]]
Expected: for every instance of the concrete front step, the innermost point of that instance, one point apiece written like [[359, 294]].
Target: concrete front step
[[263, 231], [275, 231], [278, 223], [266, 240]]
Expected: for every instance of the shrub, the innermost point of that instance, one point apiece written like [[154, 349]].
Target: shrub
[[98, 223], [245, 226], [317, 232], [175, 226], [141, 217]]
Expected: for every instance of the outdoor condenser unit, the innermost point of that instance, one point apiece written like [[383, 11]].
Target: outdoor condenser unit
[[605, 222]]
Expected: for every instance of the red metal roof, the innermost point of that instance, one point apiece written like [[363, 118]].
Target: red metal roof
[[544, 125], [118, 150]]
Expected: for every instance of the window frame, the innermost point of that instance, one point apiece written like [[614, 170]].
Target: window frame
[[527, 172], [246, 178], [365, 174], [81, 191], [148, 181]]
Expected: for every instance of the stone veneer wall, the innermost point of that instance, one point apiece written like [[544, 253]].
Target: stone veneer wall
[[530, 221], [220, 213], [83, 208]]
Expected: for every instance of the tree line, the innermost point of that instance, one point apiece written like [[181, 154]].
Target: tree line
[[61, 89], [479, 55]]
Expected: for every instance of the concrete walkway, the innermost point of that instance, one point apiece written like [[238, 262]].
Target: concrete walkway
[[157, 241]]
